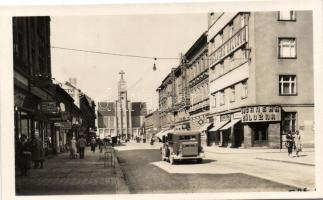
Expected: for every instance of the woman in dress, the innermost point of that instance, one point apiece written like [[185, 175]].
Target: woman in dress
[[297, 142]]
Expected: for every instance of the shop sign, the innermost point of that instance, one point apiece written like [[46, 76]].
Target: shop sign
[[49, 107], [261, 114], [237, 115], [57, 124], [19, 99], [226, 117]]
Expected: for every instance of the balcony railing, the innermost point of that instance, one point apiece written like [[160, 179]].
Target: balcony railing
[[233, 43]]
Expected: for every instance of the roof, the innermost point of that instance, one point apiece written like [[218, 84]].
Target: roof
[[106, 108], [199, 43]]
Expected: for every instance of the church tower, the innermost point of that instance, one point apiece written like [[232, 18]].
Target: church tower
[[123, 109]]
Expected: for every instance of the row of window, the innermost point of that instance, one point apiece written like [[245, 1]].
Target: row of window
[[200, 65], [287, 86], [219, 98]]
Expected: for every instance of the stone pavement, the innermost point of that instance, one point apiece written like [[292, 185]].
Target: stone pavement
[[63, 175]]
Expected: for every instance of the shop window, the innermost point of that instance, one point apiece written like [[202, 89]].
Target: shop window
[[288, 15], [287, 85], [260, 132], [287, 47], [289, 121]]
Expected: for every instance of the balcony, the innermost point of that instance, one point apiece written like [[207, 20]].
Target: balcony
[[233, 43]]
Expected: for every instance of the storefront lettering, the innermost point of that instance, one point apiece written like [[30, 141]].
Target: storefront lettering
[[261, 113]]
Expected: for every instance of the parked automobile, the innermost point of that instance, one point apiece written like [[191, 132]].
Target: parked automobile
[[183, 145]]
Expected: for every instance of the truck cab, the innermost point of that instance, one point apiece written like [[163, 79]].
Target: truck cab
[[182, 145]]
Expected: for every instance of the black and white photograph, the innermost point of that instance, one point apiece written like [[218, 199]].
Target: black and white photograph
[[161, 100]]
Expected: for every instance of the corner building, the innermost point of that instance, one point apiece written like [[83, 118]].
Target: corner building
[[261, 78]]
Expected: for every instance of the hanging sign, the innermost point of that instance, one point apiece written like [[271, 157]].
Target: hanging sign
[[49, 107], [261, 114]]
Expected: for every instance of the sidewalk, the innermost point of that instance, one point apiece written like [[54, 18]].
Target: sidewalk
[[62, 175], [278, 155]]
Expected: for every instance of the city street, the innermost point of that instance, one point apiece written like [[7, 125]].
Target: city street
[[145, 173], [140, 170]]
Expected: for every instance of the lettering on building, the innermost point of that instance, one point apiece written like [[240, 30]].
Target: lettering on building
[[261, 114]]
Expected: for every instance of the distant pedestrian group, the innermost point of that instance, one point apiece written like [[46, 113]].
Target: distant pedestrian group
[[293, 143]]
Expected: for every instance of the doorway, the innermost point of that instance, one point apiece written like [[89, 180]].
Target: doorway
[[260, 134]]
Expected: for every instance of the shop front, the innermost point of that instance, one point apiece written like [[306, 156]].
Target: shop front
[[262, 126]]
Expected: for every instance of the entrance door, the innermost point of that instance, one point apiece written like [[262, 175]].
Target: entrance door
[[260, 134]]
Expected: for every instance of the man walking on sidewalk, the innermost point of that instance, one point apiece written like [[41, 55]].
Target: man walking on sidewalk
[[81, 145]]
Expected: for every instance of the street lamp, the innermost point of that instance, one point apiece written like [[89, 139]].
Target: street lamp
[[154, 67]]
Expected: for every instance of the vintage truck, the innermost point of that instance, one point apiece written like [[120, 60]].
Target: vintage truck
[[182, 145]]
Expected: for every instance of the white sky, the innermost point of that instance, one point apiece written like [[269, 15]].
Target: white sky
[[162, 35]]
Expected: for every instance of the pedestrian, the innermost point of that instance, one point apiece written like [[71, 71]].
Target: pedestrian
[[100, 144], [289, 143], [297, 142], [24, 155], [93, 144], [37, 152], [73, 148], [46, 144], [81, 144]]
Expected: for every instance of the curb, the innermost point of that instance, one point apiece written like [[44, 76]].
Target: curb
[[285, 161], [122, 187]]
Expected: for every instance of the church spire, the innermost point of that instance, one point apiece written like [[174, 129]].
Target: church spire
[[122, 83]]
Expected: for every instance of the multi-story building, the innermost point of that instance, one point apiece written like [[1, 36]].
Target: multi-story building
[[152, 124], [261, 77], [166, 101], [198, 82], [121, 118], [181, 97], [33, 89]]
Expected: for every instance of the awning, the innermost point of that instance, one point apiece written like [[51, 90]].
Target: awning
[[205, 127], [218, 126], [232, 123]]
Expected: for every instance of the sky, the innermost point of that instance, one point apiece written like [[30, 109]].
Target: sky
[[159, 35]]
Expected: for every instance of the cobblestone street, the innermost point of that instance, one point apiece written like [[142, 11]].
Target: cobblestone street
[[62, 175]]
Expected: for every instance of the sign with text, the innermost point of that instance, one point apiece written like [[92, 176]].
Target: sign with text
[[261, 114], [49, 107]]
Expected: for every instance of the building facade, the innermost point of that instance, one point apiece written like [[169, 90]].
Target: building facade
[[198, 82], [152, 124], [261, 78], [166, 101], [33, 89], [121, 118]]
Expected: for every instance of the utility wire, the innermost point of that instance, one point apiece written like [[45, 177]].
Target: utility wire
[[114, 54], [130, 55]]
